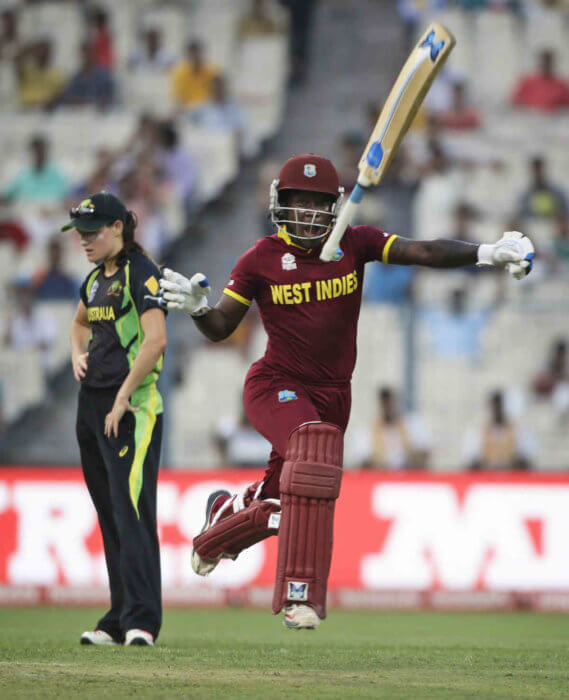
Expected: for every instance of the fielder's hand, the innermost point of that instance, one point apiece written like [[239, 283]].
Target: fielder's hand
[[514, 251], [182, 294]]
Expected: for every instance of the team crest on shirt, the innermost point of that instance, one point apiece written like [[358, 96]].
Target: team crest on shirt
[[338, 254], [115, 289], [93, 291], [310, 170], [288, 261]]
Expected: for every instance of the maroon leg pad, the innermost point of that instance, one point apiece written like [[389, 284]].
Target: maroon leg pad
[[310, 484], [237, 531]]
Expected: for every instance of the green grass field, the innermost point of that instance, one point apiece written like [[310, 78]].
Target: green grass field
[[248, 654]]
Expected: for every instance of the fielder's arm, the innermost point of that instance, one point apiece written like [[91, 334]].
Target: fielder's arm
[[220, 321]]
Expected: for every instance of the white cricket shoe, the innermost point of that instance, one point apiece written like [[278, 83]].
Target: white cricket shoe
[[300, 617], [97, 637], [138, 638], [201, 566]]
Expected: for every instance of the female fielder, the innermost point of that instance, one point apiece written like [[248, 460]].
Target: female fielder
[[118, 339], [298, 394]]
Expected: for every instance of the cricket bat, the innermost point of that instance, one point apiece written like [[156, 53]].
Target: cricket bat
[[398, 113]]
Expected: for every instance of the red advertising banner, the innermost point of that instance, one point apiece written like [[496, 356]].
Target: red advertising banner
[[401, 540]]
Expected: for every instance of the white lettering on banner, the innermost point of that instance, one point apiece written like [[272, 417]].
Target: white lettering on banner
[[54, 519], [168, 494], [4, 497], [499, 537]]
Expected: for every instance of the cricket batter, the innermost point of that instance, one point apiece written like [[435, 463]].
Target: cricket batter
[[298, 395]]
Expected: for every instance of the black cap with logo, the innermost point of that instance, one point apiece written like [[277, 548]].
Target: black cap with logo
[[96, 211]]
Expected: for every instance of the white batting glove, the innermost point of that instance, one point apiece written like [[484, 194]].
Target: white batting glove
[[514, 251], [182, 294]]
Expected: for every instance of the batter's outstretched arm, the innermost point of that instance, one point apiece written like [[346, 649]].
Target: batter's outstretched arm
[[441, 252], [220, 322]]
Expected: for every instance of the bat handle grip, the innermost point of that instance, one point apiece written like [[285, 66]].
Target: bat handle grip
[[329, 248]]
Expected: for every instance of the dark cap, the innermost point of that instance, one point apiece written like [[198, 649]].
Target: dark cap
[[311, 173], [96, 211]]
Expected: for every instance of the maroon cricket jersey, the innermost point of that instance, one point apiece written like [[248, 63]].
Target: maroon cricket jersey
[[309, 308]]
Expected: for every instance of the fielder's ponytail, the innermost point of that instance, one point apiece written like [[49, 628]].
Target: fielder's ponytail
[[129, 244]]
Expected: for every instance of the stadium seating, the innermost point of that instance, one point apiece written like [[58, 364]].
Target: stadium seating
[[75, 134]]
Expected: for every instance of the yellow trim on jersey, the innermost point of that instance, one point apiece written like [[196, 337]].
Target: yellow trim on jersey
[[231, 293], [144, 421], [385, 253], [282, 233]]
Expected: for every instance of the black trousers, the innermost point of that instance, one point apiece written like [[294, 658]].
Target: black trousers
[[121, 475]]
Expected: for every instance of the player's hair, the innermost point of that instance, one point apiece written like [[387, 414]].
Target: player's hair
[[129, 228]]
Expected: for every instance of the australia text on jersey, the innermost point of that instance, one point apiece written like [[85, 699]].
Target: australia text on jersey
[[319, 290]]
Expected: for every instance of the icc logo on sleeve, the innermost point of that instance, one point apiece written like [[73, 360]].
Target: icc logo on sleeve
[[288, 261], [93, 291]]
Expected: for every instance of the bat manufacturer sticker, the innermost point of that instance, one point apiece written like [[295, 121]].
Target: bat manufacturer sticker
[[287, 395]]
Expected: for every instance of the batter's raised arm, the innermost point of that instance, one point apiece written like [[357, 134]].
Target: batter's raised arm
[[438, 253], [514, 251], [190, 296]]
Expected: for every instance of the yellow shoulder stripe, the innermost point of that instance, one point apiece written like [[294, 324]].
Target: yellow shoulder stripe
[[385, 253], [231, 293]]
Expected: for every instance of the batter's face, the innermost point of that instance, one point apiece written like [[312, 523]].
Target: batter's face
[[102, 244], [310, 215]]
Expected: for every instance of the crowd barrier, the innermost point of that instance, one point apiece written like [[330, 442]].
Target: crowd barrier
[[488, 541]]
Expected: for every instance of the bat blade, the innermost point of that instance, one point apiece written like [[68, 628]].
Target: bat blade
[[403, 102]]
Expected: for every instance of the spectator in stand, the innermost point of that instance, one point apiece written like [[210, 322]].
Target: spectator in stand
[[101, 40], [178, 169], [192, 78], [91, 85], [388, 284], [13, 231], [542, 199], [556, 371], [52, 283], [456, 330], [42, 183], [39, 83], [221, 112], [350, 146], [152, 55], [30, 328], [99, 179], [461, 115], [257, 22], [502, 443], [139, 188], [394, 441], [239, 444], [300, 32], [543, 90], [560, 244], [9, 34], [438, 193]]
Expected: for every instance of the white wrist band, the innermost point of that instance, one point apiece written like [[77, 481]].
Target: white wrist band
[[485, 252]]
